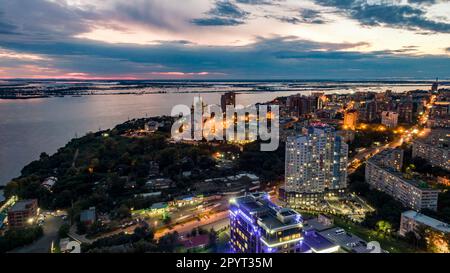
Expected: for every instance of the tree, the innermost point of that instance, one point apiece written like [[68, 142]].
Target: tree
[[438, 242], [194, 232], [81, 228], [123, 212], [15, 238], [168, 242], [143, 246], [384, 227], [64, 231], [213, 239]]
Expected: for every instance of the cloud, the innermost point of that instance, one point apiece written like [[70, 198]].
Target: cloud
[[38, 19], [155, 13], [217, 21], [423, 1], [37, 37], [6, 28], [257, 2], [268, 58], [46, 20], [306, 16], [222, 14], [9, 54], [380, 13]]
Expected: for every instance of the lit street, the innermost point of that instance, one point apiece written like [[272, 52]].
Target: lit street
[[187, 227], [51, 227]]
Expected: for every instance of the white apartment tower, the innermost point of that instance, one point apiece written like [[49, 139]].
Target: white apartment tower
[[316, 161]]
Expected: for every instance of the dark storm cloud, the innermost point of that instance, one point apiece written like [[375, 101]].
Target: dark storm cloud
[[223, 13], [400, 16]]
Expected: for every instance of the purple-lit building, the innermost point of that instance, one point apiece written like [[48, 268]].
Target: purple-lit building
[[260, 226]]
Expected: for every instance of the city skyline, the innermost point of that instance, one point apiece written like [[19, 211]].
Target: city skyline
[[231, 127], [205, 39]]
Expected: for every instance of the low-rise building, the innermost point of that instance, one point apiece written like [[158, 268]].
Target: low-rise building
[[49, 183], [412, 221], [88, 216], [23, 213], [444, 180], [151, 126], [438, 122], [160, 183], [187, 200], [197, 242], [347, 241], [159, 207]]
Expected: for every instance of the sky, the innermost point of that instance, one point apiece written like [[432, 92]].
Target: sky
[[225, 39]]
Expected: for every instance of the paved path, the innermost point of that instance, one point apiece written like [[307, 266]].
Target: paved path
[[187, 227], [51, 227]]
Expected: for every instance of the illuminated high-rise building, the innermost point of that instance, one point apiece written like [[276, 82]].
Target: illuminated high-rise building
[[368, 111], [229, 98], [405, 111], [301, 106], [259, 226], [435, 86], [316, 163], [350, 119]]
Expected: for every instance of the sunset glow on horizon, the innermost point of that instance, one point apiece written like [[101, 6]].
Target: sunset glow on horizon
[[221, 39]]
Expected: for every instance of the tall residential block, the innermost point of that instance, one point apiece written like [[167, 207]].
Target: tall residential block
[[383, 175], [316, 163]]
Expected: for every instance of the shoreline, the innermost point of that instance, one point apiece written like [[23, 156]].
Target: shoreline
[[327, 91], [343, 92]]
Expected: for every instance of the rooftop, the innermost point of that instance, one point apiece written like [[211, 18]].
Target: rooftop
[[197, 241], [318, 243], [346, 240], [22, 205], [428, 221], [87, 215], [267, 213], [160, 205]]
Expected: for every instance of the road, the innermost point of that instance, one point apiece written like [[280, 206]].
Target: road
[[406, 136], [214, 219], [218, 225], [51, 227]]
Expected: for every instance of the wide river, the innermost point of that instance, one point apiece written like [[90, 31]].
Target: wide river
[[32, 126]]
